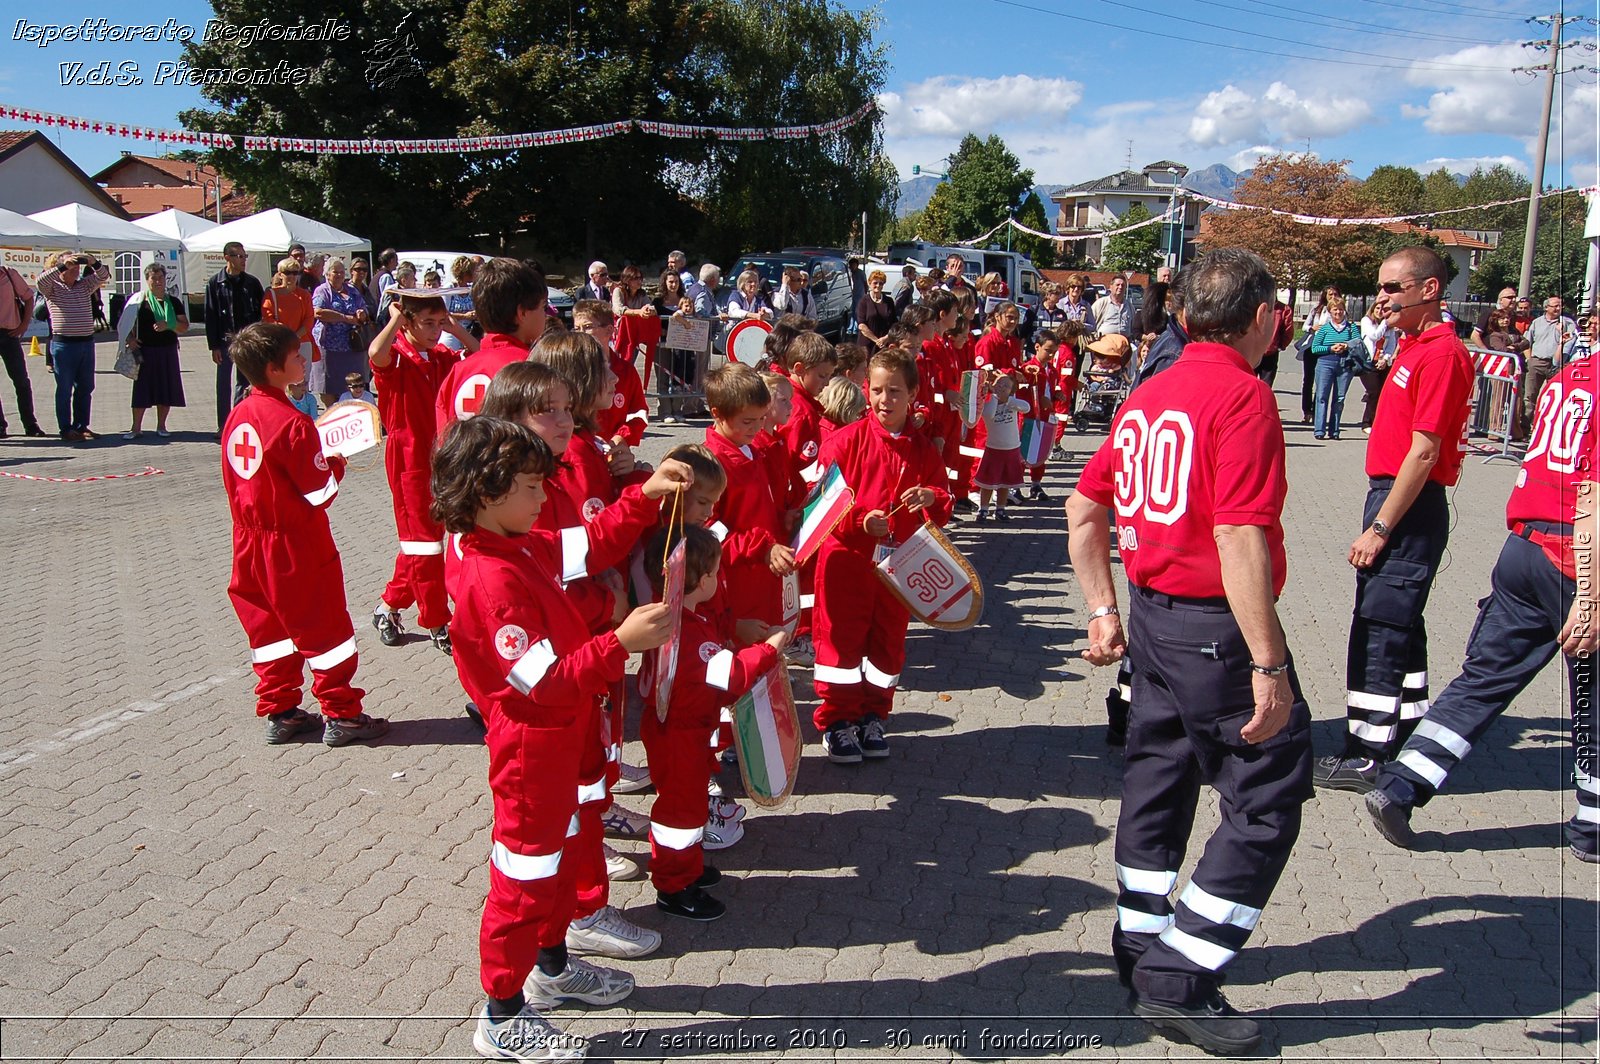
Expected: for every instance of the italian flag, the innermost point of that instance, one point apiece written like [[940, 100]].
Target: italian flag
[[824, 507], [1037, 436], [768, 737], [971, 396]]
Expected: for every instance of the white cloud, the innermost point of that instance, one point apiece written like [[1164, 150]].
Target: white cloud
[[1230, 115], [952, 106], [1247, 159], [1465, 164]]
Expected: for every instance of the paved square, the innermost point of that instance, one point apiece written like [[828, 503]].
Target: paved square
[[171, 887]]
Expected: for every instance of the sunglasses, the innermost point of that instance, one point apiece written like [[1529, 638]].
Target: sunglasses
[[1394, 288]]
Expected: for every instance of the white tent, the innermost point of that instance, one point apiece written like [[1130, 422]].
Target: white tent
[[174, 223], [273, 231], [21, 230], [188, 271], [97, 231]]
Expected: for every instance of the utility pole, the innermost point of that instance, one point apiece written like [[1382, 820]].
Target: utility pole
[[1525, 279]]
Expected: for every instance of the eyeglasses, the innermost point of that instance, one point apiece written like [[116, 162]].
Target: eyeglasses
[[1394, 288]]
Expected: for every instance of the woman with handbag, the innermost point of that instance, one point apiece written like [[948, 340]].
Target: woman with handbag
[[161, 319], [16, 311], [1329, 366]]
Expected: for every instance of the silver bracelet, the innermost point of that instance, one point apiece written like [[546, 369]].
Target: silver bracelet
[[1276, 670]]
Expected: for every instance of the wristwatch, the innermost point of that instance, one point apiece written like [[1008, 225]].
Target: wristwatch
[[1380, 527], [1104, 611]]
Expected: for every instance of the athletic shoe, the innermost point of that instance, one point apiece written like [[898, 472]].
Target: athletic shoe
[[873, 744], [476, 715], [1335, 773], [983, 515], [441, 638], [842, 745], [1038, 494], [713, 788], [966, 506], [1214, 1026], [282, 727], [631, 779], [721, 833], [620, 866], [1001, 515], [1016, 495], [691, 903], [801, 652], [625, 824], [730, 756], [1058, 453], [390, 631], [1392, 819], [343, 731], [1586, 856], [709, 877], [608, 934], [526, 1036], [580, 981], [726, 808]]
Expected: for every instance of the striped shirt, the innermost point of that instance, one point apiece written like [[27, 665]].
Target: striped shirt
[[71, 306]]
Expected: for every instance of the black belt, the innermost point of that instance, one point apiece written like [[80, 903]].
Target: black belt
[[75, 339], [1525, 529], [1181, 602]]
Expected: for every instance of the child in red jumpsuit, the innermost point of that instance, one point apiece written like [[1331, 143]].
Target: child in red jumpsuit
[[1033, 388], [509, 298], [525, 654], [624, 416], [409, 365], [279, 485], [710, 676], [898, 480]]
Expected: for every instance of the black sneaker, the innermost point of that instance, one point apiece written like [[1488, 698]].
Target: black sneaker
[[283, 727], [709, 877], [1335, 773], [1216, 1026], [982, 516], [966, 506], [691, 903], [1393, 820], [441, 638], [390, 633], [343, 731], [476, 716], [1001, 515], [1038, 494], [842, 745], [873, 744]]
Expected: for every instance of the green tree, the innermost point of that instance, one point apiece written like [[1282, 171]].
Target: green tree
[[1040, 250], [1559, 253], [1441, 192], [986, 186], [937, 224], [1395, 190], [1494, 185], [1135, 252]]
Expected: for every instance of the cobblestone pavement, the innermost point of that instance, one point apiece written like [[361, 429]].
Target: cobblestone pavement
[[171, 887]]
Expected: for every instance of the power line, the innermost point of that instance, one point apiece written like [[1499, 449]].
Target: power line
[[1406, 64], [1328, 20], [1461, 10]]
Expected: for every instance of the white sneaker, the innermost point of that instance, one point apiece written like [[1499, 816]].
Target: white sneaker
[[581, 981], [620, 866], [801, 652], [713, 788], [625, 824], [721, 833], [609, 934], [631, 779], [726, 808], [526, 1036]]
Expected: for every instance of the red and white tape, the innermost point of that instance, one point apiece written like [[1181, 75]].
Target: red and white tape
[[147, 471]]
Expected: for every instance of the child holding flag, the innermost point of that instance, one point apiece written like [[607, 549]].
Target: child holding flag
[[860, 627], [1038, 429]]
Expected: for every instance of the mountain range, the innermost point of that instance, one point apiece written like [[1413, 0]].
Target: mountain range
[[1215, 180]]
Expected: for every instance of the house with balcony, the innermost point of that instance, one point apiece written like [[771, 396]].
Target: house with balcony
[[1089, 208]]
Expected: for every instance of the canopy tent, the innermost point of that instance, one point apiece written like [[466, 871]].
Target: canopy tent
[[177, 224], [188, 271], [97, 231], [273, 231], [20, 229]]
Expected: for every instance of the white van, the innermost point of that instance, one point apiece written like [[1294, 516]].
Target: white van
[[1015, 268]]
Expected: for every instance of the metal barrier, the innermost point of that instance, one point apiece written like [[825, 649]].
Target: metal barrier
[[1496, 396]]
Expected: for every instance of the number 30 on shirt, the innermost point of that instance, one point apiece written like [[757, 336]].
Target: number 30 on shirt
[[1156, 459]]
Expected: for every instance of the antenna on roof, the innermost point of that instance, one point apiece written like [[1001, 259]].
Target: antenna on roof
[[1128, 163]]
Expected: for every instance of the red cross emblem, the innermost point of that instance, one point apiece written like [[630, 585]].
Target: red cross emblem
[[511, 642], [470, 397], [244, 450]]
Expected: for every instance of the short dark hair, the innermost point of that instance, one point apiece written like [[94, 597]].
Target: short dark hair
[[478, 461], [388, 255], [582, 363], [233, 245], [734, 386], [1221, 293], [1047, 336], [502, 288], [266, 343], [940, 301], [519, 390], [707, 470], [702, 550], [296, 246], [916, 316], [896, 360], [810, 350], [847, 356], [788, 327]]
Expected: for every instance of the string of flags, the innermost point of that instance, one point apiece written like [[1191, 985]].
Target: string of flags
[[451, 145]]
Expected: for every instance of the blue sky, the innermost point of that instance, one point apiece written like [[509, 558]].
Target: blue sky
[[1068, 95]]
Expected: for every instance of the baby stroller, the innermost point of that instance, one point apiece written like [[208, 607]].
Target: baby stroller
[[1106, 383]]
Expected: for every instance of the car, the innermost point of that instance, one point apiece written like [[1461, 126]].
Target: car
[[831, 291]]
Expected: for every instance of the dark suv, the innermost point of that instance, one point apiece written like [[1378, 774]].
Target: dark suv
[[830, 281]]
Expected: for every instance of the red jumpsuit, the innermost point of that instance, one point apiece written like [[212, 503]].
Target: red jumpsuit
[[462, 391], [860, 627], [710, 676], [629, 414], [288, 585], [1064, 369], [408, 388], [753, 514], [802, 433], [1033, 387], [963, 452], [525, 655]]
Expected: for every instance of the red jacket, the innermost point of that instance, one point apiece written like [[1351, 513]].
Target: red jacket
[[628, 415], [710, 675], [274, 471], [408, 394], [879, 467], [997, 352], [753, 514], [802, 434], [462, 391]]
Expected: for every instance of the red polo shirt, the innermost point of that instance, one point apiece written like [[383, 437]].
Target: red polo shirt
[[1197, 446], [1563, 448], [1428, 391]]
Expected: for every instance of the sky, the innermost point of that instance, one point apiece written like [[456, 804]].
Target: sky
[[1069, 84]]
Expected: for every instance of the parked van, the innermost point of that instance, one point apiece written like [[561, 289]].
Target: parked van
[[832, 304], [1015, 268]]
